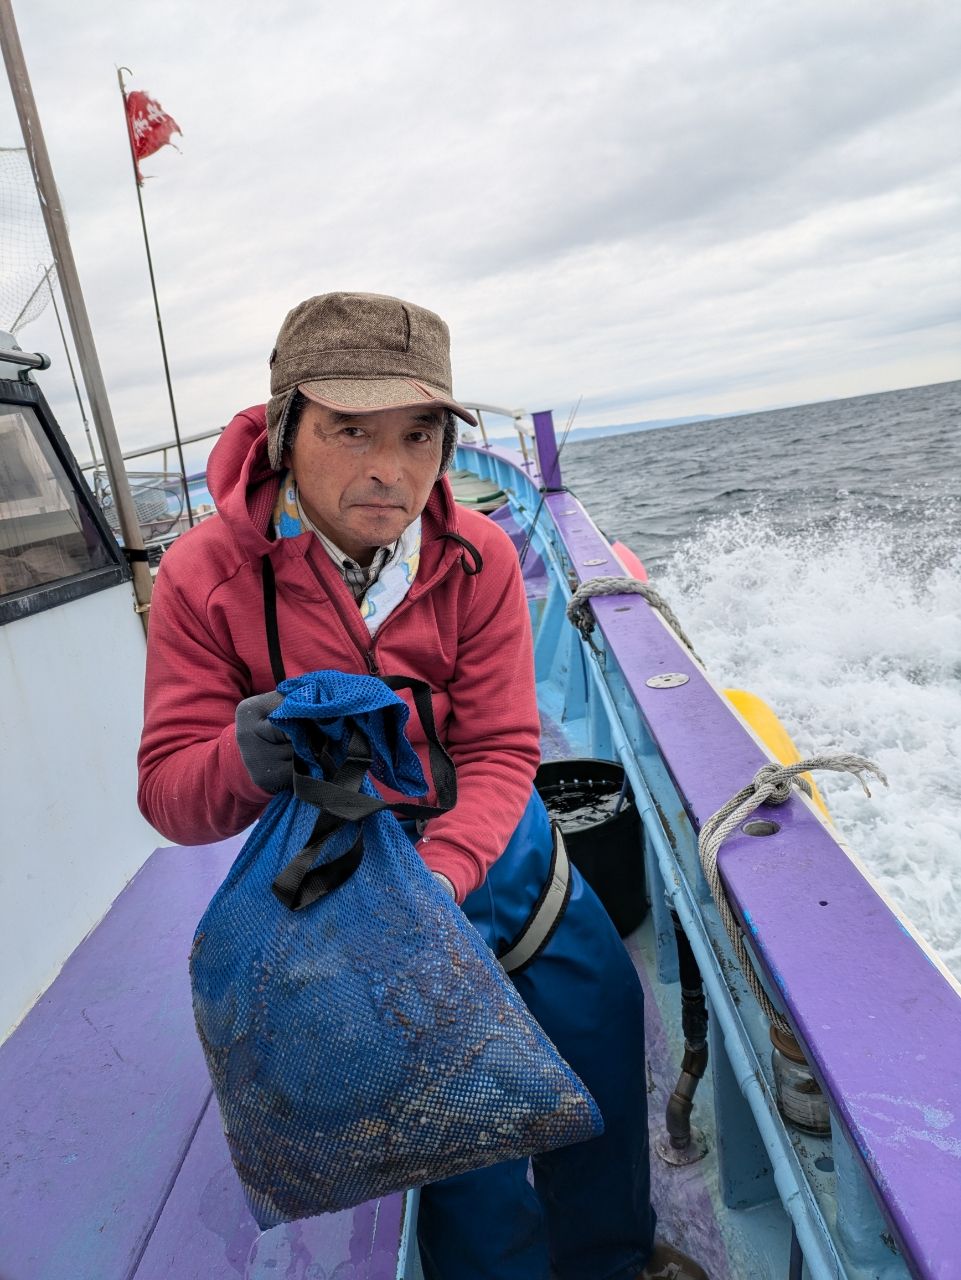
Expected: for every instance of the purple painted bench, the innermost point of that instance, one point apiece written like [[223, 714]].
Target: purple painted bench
[[880, 1022], [114, 1165]]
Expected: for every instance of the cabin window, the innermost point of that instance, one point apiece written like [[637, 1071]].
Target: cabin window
[[47, 531]]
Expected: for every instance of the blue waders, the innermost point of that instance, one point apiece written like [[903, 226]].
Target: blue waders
[[590, 1217]]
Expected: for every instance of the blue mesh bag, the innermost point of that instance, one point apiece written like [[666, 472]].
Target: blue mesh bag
[[360, 1036]]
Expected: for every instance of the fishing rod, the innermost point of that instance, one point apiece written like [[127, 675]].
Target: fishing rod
[[560, 449]]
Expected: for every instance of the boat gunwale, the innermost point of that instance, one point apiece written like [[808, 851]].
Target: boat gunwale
[[911, 1168]]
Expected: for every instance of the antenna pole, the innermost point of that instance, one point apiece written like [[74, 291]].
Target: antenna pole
[[73, 376]]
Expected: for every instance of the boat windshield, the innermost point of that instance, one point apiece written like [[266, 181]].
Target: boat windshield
[[46, 533]]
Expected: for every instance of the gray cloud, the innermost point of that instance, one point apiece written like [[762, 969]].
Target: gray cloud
[[668, 209]]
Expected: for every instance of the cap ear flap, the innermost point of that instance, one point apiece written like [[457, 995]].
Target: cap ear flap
[[278, 413]]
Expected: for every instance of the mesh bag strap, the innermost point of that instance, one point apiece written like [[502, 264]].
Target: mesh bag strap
[[339, 799]]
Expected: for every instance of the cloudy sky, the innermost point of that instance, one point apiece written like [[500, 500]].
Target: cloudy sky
[[664, 208]]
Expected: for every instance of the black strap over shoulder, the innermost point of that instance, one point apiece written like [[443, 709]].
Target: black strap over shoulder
[[270, 619]]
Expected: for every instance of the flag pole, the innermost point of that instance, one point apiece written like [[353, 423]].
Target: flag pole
[[76, 309], [153, 288]]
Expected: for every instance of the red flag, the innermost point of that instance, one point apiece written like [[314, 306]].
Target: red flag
[[150, 127]]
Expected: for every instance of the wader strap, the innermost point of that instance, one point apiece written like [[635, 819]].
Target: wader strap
[[538, 928]]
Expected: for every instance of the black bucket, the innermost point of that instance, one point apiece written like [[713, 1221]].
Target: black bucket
[[608, 850]]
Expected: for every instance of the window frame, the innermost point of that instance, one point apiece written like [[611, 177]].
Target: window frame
[[24, 393]]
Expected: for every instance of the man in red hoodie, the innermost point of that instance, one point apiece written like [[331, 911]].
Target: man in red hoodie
[[338, 545]]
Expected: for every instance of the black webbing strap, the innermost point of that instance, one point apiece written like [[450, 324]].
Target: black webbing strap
[[301, 882], [441, 765], [337, 795], [339, 800]]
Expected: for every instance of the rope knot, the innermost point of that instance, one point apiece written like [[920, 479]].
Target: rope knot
[[772, 784]]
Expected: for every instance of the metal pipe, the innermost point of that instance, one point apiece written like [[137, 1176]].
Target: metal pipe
[[162, 448], [76, 309], [796, 1263], [28, 359], [520, 436], [622, 796], [483, 429]]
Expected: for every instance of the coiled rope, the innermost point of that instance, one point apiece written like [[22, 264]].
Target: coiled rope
[[772, 784], [579, 613]]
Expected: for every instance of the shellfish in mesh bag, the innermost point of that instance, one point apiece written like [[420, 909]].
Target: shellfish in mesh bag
[[360, 1035]]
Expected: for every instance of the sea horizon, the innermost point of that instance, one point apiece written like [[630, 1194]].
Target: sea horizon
[[588, 432]]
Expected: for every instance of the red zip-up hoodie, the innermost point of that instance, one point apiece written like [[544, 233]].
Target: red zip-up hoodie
[[467, 635]]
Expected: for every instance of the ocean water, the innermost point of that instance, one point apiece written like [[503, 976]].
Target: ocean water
[[813, 555]]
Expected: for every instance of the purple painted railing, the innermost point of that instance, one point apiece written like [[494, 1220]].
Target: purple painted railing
[[547, 452]]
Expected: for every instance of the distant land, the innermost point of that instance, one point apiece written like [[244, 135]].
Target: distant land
[[623, 428], [620, 429]]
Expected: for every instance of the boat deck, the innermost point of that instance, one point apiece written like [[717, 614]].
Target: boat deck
[[119, 1167]]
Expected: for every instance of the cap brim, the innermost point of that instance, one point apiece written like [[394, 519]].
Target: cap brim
[[373, 395]]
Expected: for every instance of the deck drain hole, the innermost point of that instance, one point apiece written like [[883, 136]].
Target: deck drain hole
[[825, 1164], [822, 902], [761, 827]]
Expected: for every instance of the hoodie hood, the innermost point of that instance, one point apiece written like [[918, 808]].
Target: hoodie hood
[[244, 487]]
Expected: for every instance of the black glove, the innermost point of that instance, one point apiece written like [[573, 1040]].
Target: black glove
[[264, 749]]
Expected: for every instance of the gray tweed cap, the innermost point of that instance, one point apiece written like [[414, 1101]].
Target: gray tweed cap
[[358, 353]]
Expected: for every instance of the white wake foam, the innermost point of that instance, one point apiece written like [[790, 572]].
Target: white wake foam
[[853, 634]]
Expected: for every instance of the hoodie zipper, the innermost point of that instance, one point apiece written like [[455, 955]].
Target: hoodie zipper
[[368, 652], [365, 652]]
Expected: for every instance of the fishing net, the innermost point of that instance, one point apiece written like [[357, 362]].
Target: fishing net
[[25, 258], [360, 1035]]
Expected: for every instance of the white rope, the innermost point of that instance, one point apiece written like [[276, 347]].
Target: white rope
[[772, 784], [580, 615]]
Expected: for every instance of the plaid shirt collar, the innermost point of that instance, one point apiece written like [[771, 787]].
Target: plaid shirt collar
[[359, 579]]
